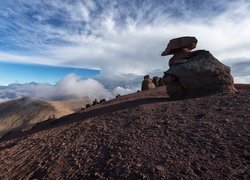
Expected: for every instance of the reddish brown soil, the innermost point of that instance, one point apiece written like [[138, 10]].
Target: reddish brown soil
[[143, 135]]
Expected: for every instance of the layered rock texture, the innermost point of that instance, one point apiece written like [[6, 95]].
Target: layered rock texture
[[195, 73]]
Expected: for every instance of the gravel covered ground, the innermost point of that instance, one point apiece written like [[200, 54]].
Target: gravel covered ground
[[140, 136]]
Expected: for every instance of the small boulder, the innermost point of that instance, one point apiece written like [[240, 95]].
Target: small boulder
[[156, 81], [95, 102], [161, 82], [144, 85], [102, 100], [147, 83], [151, 85], [118, 96], [87, 106]]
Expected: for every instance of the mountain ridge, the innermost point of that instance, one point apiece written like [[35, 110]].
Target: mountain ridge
[[24, 113]]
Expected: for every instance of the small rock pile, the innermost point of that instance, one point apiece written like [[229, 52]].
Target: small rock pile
[[195, 73], [147, 83], [158, 81], [95, 102]]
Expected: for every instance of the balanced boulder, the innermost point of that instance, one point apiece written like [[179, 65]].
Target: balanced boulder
[[187, 42], [180, 48], [196, 73]]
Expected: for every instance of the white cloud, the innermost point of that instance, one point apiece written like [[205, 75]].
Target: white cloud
[[73, 85], [100, 39], [3, 99], [242, 79], [122, 91], [70, 86]]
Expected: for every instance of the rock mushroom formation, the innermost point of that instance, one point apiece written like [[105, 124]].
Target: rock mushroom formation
[[180, 48], [195, 73]]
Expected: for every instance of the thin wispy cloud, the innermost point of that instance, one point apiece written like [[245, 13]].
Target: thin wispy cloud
[[120, 37]]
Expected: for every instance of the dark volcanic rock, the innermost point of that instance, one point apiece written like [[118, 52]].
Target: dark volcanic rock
[[144, 84], [156, 81], [181, 49], [201, 74], [147, 83]]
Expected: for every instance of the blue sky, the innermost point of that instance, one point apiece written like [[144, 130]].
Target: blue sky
[[24, 73], [117, 37]]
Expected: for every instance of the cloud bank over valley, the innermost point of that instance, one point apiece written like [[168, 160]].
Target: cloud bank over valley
[[71, 86]]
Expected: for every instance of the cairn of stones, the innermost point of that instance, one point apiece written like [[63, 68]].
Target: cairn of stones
[[194, 73]]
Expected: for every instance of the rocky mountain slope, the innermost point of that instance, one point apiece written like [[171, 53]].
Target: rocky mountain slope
[[140, 136], [24, 113]]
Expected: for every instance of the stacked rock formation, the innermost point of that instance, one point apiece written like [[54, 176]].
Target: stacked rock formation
[[195, 73], [147, 83], [156, 81]]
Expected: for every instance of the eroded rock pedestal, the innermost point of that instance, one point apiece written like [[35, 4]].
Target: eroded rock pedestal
[[196, 73]]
